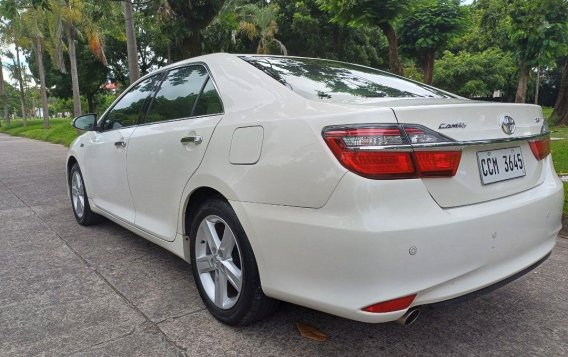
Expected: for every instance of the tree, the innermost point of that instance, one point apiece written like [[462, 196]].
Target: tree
[[560, 113], [92, 74], [74, 18], [260, 23], [183, 21], [12, 29], [34, 20], [307, 31], [3, 95], [475, 75], [17, 73], [379, 13], [133, 70], [488, 27], [153, 43], [222, 34], [538, 35], [427, 28]]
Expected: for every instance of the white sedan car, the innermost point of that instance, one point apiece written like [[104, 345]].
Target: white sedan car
[[325, 184]]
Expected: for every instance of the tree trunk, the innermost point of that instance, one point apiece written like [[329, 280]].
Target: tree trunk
[[133, 71], [43, 89], [4, 96], [21, 82], [190, 46], [91, 102], [536, 89], [523, 81], [428, 66], [394, 59], [560, 113], [74, 77]]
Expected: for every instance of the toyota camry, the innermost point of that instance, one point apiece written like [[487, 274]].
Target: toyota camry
[[325, 184]]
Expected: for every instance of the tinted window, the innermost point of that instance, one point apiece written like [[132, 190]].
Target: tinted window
[[127, 111], [339, 82], [176, 97], [209, 101]]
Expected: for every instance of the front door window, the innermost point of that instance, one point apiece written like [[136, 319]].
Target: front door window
[[126, 112]]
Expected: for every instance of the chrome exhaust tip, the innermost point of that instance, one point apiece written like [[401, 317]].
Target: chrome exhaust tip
[[409, 317]]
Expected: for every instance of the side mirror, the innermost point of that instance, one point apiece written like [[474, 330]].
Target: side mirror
[[85, 122]]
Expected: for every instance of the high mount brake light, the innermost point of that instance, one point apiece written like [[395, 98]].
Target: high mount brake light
[[386, 151], [541, 147]]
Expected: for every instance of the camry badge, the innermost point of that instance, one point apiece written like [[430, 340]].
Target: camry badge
[[460, 125], [508, 125]]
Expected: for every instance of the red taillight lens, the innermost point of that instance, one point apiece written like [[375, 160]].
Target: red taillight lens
[[386, 151], [438, 163], [375, 164], [352, 147], [541, 147], [391, 305]]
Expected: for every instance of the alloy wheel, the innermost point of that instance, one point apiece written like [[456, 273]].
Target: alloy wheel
[[219, 262], [78, 194]]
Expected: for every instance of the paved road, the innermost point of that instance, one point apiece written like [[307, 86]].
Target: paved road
[[71, 290]]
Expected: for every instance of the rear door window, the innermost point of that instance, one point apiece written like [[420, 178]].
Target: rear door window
[[178, 94], [209, 102]]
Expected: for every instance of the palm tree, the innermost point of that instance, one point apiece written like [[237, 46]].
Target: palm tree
[[73, 20], [17, 73], [133, 70], [34, 20], [260, 22], [3, 95], [11, 29]]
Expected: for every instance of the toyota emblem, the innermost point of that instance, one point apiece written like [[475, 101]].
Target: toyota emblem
[[508, 125]]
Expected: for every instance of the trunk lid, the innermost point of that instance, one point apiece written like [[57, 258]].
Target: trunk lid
[[467, 121]]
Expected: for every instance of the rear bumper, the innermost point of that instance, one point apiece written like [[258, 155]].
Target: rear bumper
[[490, 288], [356, 250]]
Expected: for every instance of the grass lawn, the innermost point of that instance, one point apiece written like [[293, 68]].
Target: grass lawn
[[559, 150], [61, 132], [566, 199]]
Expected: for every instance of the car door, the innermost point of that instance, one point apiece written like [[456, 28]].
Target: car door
[[106, 152], [168, 147]]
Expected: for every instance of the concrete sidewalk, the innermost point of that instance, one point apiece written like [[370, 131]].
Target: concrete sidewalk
[[71, 290]]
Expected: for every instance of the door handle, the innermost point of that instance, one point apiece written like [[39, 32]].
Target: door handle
[[120, 144], [194, 139]]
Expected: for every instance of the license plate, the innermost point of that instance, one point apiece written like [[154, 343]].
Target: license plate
[[500, 165]]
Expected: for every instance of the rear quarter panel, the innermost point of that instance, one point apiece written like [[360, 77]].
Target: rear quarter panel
[[295, 167]]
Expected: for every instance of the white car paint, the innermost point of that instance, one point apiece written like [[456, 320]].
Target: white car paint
[[113, 193], [325, 237], [158, 167]]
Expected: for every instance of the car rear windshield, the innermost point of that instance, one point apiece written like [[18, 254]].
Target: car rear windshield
[[334, 81]]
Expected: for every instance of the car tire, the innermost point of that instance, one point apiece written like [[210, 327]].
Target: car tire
[[224, 266], [80, 199]]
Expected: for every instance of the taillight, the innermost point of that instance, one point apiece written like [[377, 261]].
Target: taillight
[[541, 147], [386, 151], [438, 163]]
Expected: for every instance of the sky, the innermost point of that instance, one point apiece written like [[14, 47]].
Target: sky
[[6, 61]]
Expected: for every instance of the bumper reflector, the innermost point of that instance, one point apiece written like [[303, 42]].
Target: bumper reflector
[[391, 305]]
